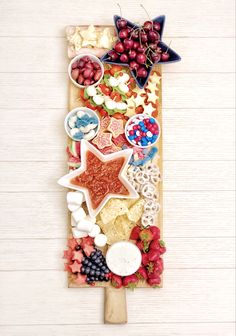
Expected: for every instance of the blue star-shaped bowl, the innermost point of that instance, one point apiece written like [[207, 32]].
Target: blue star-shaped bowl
[[174, 57]]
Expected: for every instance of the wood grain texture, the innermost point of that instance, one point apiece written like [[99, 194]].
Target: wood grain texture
[[199, 18], [209, 146], [189, 295], [183, 253], [186, 214], [163, 329], [49, 90], [55, 61], [198, 206]]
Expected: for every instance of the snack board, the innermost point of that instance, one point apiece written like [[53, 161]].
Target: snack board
[[115, 164]]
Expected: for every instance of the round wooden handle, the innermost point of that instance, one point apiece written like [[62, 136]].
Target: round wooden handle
[[115, 311]]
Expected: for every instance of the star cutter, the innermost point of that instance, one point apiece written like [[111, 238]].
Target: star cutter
[[65, 181], [174, 57]]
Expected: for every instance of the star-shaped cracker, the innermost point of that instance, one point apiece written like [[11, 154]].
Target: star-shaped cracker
[[152, 86], [102, 140], [152, 97], [148, 109], [140, 99], [155, 78], [116, 127]]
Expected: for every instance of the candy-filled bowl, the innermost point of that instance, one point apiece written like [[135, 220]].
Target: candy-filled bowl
[[142, 130], [85, 70], [82, 123]]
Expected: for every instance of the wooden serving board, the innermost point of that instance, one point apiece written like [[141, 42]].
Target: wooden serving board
[[115, 310]]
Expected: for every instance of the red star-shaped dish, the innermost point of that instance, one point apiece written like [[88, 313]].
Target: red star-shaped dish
[[135, 41], [100, 177]]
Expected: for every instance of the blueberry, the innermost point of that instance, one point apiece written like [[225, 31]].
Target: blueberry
[[87, 270], [92, 272], [89, 264], [107, 270], [101, 278], [102, 274], [93, 267], [106, 279], [94, 257], [92, 278], [85, 261], [99, 252], [96, 279], [82, 271], [98, 273], [92, 254], [100, 264], [103, 267]]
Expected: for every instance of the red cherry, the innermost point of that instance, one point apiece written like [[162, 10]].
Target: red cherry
[[121, 23], [128, 43], [165, 56], [153, 46], [124, 33], [119, 47], [133, 65], [136, 45], [132, 54], [135, 35], [124, 58], [147, 25], [156, 26], [144, 37], [141, 58], [113, 55], [141, 49], [156, 57], [153, 36], [142, 72]]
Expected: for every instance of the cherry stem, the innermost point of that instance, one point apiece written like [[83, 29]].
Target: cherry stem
[[141, 5], [120, 9], [168, 47]]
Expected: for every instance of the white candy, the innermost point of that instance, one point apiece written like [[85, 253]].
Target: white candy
[[73, 207], [85, 225], [72, 121], [124, 78], [78, 214], [91, 91], [149, 134], [89, 127], [80, 114], [75, 197], [89, 135], [98, 99], [138, 133], [123, 87], [100, 240], [95, 231], [78, 234], [73, 131], [110, 104], [121, 106], [113, 81]]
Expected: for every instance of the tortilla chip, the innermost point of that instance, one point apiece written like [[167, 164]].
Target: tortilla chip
[[136, 210], [114, 207]]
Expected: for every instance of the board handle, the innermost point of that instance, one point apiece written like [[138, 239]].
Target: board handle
[[115, 310]]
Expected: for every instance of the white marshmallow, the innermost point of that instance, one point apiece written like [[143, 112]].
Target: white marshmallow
[[75, 197], [85, 225], [78, 234], [72, 222], [100, 240], [73, 207], [79, 214], [95, 231], [124, 78]]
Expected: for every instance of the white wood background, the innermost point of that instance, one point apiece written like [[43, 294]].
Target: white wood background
[[198, 126]]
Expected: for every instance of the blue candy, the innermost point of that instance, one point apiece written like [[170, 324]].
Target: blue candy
[[152, 120], [78, 136]]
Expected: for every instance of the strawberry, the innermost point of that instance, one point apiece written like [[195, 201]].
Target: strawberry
[[155, 282], [146, 235], [145, 259], [153, 255], [130, 281], [87, 241], [141, 273], [116, 281], [154, 245], [88, 249], [155, 231], [142, 245], [135, 233], [155, 268]]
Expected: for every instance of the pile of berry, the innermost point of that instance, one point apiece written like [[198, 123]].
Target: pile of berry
[[142, 131], [95, 267]]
